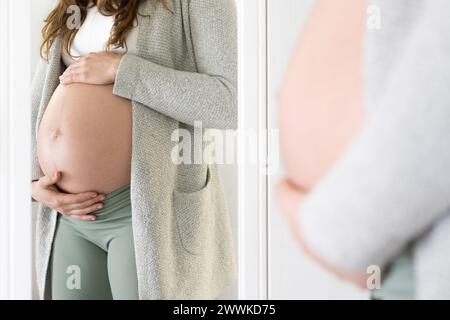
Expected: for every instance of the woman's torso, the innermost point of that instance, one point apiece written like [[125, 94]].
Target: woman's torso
[[85, 132]]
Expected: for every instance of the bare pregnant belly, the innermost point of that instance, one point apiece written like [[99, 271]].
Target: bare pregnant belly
[[85, 134]]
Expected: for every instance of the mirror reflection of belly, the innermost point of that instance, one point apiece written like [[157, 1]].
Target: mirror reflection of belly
[[321, 102], [85, 133]]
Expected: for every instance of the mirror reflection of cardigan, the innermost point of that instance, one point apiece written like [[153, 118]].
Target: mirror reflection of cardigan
[[392, 187]]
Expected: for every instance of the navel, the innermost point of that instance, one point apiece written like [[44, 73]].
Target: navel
[[55, 134]]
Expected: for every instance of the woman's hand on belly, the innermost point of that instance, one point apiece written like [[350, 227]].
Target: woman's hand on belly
[[95, 68], [77, 206]]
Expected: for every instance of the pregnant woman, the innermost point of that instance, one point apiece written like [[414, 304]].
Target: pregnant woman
[[119, 218]]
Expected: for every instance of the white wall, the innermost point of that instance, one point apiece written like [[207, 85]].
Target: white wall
[[15, 220], [39, 9], [291, 274]]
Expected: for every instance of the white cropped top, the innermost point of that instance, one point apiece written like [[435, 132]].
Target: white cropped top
[[93, 35]]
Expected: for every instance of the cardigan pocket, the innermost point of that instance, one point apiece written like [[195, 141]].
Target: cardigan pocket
[[194, 217]]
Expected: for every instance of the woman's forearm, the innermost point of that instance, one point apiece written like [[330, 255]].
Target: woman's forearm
[[184, 96], [209, 94]]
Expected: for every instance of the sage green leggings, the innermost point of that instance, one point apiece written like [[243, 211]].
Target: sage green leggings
[[94, 260]]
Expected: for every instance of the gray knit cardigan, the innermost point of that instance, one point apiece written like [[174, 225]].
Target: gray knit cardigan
[[185, 70], [392, 187]]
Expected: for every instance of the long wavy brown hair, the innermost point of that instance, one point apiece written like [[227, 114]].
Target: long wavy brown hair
[[125, 14]]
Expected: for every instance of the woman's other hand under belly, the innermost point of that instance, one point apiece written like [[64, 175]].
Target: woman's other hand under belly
[[77, 206]]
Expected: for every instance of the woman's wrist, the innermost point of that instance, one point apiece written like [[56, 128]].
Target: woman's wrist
[[115, 63]]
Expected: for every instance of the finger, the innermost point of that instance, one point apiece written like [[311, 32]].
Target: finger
[[72, 69], [84, 218], [85, 211], [72, 75], [280, 188], [47, 181], [68, 78], [69, 68], [85, 204], [65, 73], [77, 62], [280, 184], [71, 199]]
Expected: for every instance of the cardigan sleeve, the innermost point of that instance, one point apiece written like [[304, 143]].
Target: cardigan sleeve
[[37, 88], [209, 95], [393, 184]]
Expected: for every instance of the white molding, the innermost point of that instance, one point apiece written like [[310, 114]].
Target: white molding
[[252, 239], [4, 145], [15, 127]]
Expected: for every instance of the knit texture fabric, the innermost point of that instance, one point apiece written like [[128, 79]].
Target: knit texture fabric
[[391, 188], [184, 71]]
